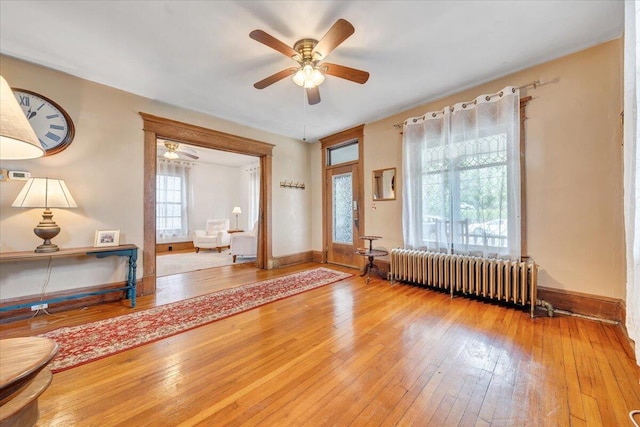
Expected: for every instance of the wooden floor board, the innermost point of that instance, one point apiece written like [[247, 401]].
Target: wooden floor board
[[346, 354]]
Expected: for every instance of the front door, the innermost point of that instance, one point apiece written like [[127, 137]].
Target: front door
[[343, 215]]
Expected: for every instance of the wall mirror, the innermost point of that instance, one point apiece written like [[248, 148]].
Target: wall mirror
[[384, 184]]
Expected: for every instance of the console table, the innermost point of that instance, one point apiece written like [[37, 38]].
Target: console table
[[130, 251]]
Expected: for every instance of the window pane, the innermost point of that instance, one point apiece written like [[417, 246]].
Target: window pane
[[169, 205], [346, 153], [466, 180], [342, 209]]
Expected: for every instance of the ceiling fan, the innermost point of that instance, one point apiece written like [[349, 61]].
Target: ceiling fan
[[309, 53], [173, 150]]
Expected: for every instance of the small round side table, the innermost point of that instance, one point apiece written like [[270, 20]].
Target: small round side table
[[371, 254]]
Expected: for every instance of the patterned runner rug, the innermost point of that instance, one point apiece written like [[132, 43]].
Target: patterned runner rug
[[85, 343]]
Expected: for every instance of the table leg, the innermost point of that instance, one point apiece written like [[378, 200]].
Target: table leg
[[131, 278]]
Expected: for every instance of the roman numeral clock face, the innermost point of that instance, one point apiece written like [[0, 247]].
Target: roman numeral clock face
[[51, 123]]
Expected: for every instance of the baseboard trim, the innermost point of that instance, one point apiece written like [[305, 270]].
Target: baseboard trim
[[71, 304], [316, 256], [584, 304], [292, 259], [175, 246]]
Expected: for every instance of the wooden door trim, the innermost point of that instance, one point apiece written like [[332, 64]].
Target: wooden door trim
[[159, 127], [347, 136]]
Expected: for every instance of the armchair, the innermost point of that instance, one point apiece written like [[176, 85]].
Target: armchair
[[245, 244], [213, 236]]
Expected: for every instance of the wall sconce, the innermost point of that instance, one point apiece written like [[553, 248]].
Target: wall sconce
[[237, 211], [17, 138], [45, 193]]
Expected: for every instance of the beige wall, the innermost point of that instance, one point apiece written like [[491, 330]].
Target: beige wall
[[103, 168], [573, 169], [574, 174]]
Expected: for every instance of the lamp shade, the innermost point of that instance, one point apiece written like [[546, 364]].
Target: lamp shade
[[17, 138], [236, 210], [44, 193]]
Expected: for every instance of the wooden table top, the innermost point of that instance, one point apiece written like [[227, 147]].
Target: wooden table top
[[372, 252], [22, 358], [65, 252]]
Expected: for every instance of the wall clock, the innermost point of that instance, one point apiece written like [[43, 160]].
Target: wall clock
[[53, 126]]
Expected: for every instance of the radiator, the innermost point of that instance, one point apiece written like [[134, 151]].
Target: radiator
[[506, 281]]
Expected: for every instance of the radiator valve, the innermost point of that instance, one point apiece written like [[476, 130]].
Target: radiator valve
[[546, 305]]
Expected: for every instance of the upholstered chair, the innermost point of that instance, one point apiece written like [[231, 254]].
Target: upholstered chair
[[245, 243], [213, 236]]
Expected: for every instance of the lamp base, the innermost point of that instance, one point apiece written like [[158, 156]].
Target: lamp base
[[47, 229], [47, 247]]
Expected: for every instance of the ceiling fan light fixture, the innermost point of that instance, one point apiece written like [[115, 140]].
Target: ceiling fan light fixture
[[298, 77], [172, 155], [308, 76], [317, 76]]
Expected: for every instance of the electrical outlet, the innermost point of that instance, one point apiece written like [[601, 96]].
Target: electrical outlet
[[39, 306]]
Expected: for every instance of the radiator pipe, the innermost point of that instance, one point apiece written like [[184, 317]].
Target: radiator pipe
[[545, 306]]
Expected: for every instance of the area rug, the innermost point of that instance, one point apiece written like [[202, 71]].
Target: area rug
[[168, 264], [85, 343]]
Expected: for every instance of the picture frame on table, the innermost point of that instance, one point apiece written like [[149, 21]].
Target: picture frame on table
[[106, 238]]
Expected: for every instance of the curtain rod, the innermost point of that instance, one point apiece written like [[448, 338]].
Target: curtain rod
[[534, 84]]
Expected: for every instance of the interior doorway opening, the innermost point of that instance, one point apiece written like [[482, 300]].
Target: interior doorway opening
[[162, 128], [198, 188]]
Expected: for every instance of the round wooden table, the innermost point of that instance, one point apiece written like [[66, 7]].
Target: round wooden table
[[371, 254], [23, 378]]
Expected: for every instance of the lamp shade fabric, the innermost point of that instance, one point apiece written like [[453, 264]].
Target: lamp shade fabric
[[236, 210], [44, 193], [17, 138]]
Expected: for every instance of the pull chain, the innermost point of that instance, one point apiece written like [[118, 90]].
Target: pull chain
[[304, 115]]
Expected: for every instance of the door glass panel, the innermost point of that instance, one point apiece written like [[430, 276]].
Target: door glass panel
[[342, 208]]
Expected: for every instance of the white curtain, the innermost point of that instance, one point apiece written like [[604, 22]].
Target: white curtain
[[631, 172], [424, 141], [173, 199], [254, 194], [461, 169]]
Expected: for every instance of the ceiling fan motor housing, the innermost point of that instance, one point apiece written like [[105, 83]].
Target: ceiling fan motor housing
[[305, 48]]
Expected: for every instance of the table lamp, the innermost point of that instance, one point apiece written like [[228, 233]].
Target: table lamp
[[45, 193], [236, 211], [17, 138]]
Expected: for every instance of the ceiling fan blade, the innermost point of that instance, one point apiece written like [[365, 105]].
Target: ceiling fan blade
[[273, 43], [347, 73], [275, 78], [191, 156], [313, 95], [339, 32]]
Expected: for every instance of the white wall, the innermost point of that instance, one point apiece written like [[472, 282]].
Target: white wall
[[216, 190], [103, 168]]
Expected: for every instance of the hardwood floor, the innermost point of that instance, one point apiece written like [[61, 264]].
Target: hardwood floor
[[348, 354]]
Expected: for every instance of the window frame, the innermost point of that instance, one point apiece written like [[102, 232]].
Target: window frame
[[166, 204]]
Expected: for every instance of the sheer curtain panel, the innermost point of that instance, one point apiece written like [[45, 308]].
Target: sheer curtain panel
[[254, 194], [461, 168], [631, 173], [172, 199]]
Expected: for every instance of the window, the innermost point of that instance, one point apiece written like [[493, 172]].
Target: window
[[462, 169], [171, 200], [342, 154]]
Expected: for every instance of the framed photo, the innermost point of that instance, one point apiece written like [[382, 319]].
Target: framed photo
[[107, 238]]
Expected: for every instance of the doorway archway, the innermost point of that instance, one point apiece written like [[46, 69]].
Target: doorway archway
[[158, 127]]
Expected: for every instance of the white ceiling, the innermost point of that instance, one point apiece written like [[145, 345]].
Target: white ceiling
[[198, 54]]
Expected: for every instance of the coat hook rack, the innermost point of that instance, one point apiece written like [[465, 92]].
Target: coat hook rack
[[291, 184]]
